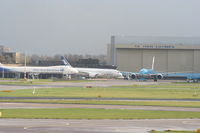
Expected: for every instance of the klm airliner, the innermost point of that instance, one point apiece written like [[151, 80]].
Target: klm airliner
[[190, 77], [145, 73]]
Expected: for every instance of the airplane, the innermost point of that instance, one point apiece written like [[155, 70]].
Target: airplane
[[66, 70], [145, 74], [95, 72], [189, 76]]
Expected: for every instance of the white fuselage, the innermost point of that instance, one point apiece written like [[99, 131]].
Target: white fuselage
[[102, 73], [31, 69], [95, 72]]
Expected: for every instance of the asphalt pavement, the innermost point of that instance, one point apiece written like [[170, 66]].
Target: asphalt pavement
[[45, 105], [95, 126]]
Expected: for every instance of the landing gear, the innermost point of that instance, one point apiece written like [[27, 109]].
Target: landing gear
[[155, 79], [33, 76], [192, 80], [196, 81], [67, 76]]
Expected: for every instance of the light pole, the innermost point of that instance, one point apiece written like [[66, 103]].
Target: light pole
[[25, 66]]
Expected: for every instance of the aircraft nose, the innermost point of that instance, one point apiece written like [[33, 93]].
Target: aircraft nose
[[75, 70], [120, 75]]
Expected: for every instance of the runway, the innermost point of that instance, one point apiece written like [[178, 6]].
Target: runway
[[44, 105], [95, 126]]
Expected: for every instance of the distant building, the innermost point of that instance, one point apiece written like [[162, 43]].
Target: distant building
[[172, 54], [4, 49], [13, 57], [89, 63], [92, 63], [49, 63]]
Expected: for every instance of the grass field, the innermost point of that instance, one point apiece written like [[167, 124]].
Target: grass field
[[168, 91], [105, 102], [36, 81], [80, 113], [173, 131], [177, 91]]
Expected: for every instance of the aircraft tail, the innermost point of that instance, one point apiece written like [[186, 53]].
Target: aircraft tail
[[153, 63], [65, 62]]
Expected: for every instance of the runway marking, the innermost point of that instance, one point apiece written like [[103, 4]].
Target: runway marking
[[130, 129], [191, 123], [7, 103], [40, 126], [67, 124]]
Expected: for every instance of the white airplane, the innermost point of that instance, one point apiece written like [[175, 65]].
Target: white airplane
[[95, 72], [65, 70]]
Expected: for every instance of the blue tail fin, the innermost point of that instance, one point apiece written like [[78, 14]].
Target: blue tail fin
[[65, 62]]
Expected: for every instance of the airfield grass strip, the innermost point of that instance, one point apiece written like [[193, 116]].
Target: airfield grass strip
[[177, 92], [39, 82], [21, 83], [162, 85], [195, 104], [173, 131], [83, 113]]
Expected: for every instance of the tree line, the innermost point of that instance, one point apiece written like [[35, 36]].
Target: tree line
[[36, 59]]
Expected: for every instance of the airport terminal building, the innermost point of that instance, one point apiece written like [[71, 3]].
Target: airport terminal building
[[172, 54]]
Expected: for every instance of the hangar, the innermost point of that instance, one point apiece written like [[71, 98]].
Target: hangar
[[172, 54]]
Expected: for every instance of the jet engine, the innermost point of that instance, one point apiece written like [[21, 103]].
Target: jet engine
[[133, 76], [93, 75], [160, 76]]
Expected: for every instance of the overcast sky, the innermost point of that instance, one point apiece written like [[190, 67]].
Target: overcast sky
[[49, 27]]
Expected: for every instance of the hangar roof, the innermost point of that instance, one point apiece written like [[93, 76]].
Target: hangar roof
[[157, 40]]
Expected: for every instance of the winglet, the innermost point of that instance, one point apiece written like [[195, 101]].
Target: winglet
[[65, 62]]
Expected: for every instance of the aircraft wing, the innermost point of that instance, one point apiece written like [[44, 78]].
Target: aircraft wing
[[135, 75], [183, 74], [129, 75]]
